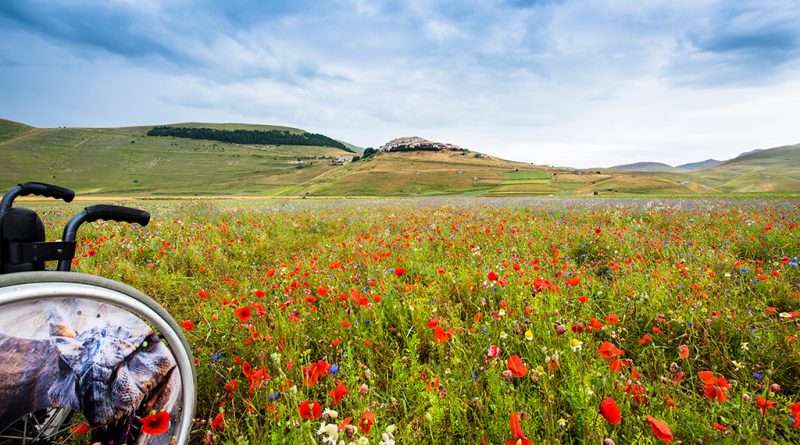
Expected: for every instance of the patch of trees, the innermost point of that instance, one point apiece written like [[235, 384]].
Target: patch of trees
[[255, 137], [369, 151]]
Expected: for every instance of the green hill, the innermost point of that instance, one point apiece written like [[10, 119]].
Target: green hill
[[11, 129], [771, 170], [126, 161]]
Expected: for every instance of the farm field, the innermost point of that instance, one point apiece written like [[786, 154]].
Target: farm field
[[459, 320]]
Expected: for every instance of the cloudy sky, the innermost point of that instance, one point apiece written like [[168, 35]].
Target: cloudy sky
[[579, 83]]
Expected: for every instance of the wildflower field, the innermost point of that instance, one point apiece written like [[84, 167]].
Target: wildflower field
[[476, 321]]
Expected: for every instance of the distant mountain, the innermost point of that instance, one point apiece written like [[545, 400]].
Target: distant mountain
[[644, 167], [702, 164]]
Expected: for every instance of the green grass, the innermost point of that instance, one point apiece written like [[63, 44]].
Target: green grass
[[681, 272]]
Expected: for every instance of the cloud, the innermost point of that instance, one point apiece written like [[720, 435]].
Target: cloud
[[554, 82], [741, 43]]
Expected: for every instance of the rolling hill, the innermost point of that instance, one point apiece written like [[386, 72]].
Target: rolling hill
[[128, 162]]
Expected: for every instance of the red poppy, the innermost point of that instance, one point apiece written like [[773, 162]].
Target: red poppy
[[795, 408], [583, 299], [683, 351], [610, 411], [247, 369], [516, 367], [155, 424], [365, 423], [260, 293], [441, 335], [516, 431], [715, 388], [660, 429], [310, 409], [573, 281], [399, 271], [492, 276], [219, 422], [765, 404], [612, 319], [81, 428], [202, 294], [314, 371], [596, 324], [608, 350], [492, 351], [187, 324], [243, 313], [615, 364], [338, 393]]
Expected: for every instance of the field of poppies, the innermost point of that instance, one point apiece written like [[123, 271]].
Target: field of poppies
[[476, 321]]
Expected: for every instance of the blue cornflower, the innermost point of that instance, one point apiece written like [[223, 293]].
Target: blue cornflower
[[757, 376], [334, 369], [272, 395]]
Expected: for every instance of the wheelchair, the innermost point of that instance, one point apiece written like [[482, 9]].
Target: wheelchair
[[84, 359]]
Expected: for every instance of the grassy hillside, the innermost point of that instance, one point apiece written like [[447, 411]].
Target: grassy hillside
[[772, 170], [11, 129], [422, 173], [126, 161]]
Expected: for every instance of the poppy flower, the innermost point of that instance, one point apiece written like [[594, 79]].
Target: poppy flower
[[366, 421], [155, 424], [683, 351], [314, 371], [610, 411], [187, 324], [608, 350], [573, 281], [660, 429], [310, 409], [492, 351], [715, 388], [765, 404], [612, 319], [491, 276], [399, 271], [441, 335], [202, 294], [81, 428], [243, 313], [516, 367], [516, 431], [338, 393], [219, 422], [795, 408]]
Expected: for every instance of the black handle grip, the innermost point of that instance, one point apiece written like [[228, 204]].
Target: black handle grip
[[116, 213], [50, 191]]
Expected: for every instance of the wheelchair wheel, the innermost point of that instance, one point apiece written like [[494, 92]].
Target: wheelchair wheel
[[89, 360]]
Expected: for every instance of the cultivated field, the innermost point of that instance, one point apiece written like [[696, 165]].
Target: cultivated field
[[476, 321]]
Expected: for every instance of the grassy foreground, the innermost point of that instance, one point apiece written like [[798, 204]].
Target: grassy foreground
[[423, 321]]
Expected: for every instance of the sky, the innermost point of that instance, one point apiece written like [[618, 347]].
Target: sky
[[586, 83]]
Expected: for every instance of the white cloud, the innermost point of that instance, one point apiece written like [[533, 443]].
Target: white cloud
[[563, 83]]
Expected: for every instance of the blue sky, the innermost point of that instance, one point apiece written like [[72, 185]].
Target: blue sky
[[578, 83]]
